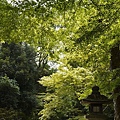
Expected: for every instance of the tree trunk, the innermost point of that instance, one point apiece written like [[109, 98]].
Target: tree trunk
[[115, 56], [115, 64], [117, 103]]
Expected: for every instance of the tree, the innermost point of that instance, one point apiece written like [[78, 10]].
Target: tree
[[18, 62], [64, 89], [115, 65], [92, 48], [86, 30], [9, 92]]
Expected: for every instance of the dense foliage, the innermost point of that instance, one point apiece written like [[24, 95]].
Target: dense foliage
[[77, 35], [9, 92], [19, 73], [10, 114]]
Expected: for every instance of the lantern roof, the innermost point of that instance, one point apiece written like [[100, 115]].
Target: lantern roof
[[96, 97]]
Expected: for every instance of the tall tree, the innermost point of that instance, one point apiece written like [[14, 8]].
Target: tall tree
[[19, 61], [115, 65], [19, 64]]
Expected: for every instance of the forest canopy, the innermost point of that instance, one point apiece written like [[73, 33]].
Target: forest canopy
[[77, 36]]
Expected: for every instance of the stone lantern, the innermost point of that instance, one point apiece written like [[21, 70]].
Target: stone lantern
[[96, 101]]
